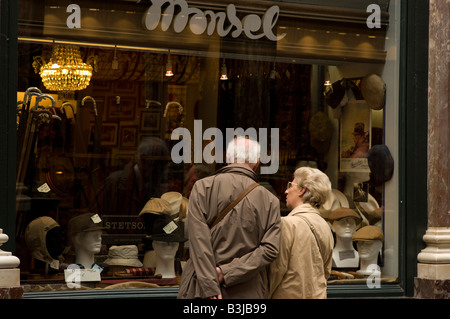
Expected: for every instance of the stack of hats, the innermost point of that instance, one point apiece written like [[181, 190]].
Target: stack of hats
[[162, 218]]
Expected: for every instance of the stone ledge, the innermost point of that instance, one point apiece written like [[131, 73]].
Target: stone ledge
[[11, 293], [431, 289]]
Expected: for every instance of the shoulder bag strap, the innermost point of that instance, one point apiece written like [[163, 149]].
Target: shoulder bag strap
[[313, 230], [231, 205]]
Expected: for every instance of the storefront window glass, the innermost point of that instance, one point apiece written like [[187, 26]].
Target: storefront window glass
[[123, 105]]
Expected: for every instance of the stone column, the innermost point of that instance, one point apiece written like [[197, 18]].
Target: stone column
[[9, 273], [433, 268]]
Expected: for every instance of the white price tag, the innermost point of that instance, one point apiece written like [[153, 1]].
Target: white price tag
[[44, 188], [96, 219], [170, 227]]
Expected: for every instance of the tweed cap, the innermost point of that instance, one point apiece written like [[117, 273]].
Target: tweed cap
[[368, 233], [84, 222], [343, 212]]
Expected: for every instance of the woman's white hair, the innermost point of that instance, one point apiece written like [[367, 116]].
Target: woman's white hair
[[316, 183], [243, 149]]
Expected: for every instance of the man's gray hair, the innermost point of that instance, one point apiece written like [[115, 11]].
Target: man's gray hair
[[243, 149]]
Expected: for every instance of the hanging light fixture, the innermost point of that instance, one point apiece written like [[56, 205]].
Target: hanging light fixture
[[224, 72], [66, 72], [273, 73], [169, 71], [115, 62]]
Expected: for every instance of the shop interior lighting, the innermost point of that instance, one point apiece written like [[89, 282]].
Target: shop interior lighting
[[66, 72], [169, 71], [224, 72], [273, 73], [115, 62]]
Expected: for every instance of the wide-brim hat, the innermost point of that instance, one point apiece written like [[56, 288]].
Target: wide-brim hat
[[166, 228], [373, 89], [368, 233], [124, 255]]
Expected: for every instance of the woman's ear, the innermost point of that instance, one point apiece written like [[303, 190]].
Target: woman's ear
[[302, 191]]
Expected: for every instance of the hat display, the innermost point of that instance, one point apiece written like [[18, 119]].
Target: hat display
[[343, 212], [368, 233], [335, 200], [83, 223], [373, 89], [321, 132], [36, 237], [381, 163], [174, 199], [124, 255], [337, 95], [166, 228], [156, 206]]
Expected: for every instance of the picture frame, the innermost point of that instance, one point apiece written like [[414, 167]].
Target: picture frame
[[150, 121], [355, 137], [108, 134], [122, 111], [128, 136]]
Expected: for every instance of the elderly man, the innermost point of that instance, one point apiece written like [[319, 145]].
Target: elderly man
[[229, 258]]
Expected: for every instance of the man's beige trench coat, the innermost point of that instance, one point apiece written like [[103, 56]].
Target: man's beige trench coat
[[301, 270], [243, 244]]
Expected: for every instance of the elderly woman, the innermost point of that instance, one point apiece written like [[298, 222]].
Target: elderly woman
[[304, 263]]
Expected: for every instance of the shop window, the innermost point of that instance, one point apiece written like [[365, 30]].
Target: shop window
[[106, 149]]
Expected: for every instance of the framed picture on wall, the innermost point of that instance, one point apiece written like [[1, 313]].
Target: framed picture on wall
[[120, 108], [150, 121], [108, 134], [128, 136], [355, 137]]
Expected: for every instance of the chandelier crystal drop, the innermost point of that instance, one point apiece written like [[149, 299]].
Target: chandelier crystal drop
[[66, 72]]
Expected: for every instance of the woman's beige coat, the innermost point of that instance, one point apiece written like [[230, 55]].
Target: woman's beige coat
[[301, 270], [243, 244]]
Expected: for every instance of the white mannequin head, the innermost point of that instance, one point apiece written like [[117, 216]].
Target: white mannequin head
[[344, 254], [165, 258], [369, 242], [85, 235], [86, 245], [368, 255], [344, 227]]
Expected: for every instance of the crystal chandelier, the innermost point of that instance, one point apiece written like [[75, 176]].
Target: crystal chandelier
[[66, 72]]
